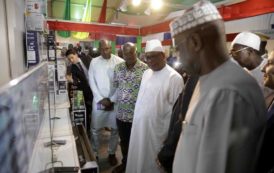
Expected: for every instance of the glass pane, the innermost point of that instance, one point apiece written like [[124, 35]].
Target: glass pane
[[22, 113]]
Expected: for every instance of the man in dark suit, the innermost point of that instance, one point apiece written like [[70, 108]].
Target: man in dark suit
[[80, 79], [265, 163], [84, 58]]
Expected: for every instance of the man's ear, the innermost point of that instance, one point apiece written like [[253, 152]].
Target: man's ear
[[195, 42]]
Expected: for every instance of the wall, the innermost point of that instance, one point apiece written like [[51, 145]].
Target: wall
[[12, 29], [71, 40], [16, 29], [270, 45], [4, 53]]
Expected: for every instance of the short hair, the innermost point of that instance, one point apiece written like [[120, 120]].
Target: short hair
[[70, 46], [107, 42], [71, 51]]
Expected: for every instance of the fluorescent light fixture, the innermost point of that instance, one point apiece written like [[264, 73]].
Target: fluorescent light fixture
[[156, 4], [118, 23], [136, 2], [78, 14]]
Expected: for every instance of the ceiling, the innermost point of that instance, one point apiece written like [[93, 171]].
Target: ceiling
[[115, 13]]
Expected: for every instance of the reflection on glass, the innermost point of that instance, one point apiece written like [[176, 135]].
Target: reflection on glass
[[22, 111]]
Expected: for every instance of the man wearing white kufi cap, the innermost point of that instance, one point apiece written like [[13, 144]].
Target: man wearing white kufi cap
[[245, 50], [160, 87], [224, 123]]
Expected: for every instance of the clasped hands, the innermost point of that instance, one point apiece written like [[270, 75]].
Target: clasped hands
[[107, 103]]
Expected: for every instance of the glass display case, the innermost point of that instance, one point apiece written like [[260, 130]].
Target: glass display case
[[36, 132], [22, 112]]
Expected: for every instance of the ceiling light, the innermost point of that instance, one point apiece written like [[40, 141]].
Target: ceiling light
[[123, 6], [156, 4], [118, 23], [148, 11], [136, 2]]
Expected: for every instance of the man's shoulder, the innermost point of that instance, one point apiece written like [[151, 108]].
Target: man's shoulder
[[117, 58], [142, 64], [148, 72], [173, 73], [74, 67], [96, 60], [120, 66], [232, 78], [233, 74]]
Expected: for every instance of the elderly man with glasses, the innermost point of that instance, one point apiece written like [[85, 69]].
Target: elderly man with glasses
[[245, 50], [225, 119]]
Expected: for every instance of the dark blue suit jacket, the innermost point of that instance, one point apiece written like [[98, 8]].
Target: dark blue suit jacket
[[266, 161]]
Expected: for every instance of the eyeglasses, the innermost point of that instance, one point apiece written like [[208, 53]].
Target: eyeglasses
[[233, 52], [151, 57]]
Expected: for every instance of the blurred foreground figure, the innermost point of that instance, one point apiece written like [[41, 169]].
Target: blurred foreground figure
[[225, 121], [167, 152], [265, 163]]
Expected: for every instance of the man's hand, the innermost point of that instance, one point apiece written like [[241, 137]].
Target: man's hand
[[105, 102], [69, 78], [110, 108]]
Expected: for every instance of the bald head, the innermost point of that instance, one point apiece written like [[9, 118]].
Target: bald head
[[105, 49], [129, 54], [129, 47]]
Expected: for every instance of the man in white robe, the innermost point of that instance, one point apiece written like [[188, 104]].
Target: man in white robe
[[224, 124], [160, 87], [103, 108], [245, 49]]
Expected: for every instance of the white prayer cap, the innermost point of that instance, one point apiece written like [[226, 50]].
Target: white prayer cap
[[154, 46], [247, 39], [200, 13]]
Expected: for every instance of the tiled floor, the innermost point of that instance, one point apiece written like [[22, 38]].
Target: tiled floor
[[104, 166]]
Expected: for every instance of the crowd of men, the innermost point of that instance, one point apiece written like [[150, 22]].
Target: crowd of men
[[220, 120]]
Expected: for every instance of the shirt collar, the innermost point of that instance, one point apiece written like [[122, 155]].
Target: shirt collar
[[135, 67]]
